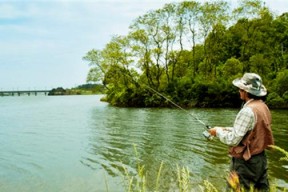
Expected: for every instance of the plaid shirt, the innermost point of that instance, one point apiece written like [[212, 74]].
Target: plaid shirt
[[244, 122]]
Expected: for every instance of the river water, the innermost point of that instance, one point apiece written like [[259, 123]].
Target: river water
[[77, 143]]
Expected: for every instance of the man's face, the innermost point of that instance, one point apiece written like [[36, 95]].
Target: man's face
[[242, 94]]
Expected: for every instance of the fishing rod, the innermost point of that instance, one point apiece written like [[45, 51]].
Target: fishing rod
[[206, 133]]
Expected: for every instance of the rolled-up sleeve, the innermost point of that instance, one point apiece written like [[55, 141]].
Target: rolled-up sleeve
[[244, 122]]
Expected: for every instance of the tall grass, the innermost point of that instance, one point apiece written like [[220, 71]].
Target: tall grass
[[285, 158], [183, 179], [137, 183]]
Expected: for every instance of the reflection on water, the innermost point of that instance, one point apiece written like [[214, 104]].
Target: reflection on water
[[80, 144]]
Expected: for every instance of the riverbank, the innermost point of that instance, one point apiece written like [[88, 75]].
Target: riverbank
[[86, 89]]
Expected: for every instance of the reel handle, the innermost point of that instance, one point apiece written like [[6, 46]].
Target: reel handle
[[207, 135]]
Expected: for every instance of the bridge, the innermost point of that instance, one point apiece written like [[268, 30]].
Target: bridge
[[24, 92]]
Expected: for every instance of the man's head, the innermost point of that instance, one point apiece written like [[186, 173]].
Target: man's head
[[251, 83]]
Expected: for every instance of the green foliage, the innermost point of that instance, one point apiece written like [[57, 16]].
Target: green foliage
[[85, 89], [198, 73], [259, 64], [285, 96], [280, 84], [57, 91], [96, 71], [91, 87], [232, 67], [275, 101]]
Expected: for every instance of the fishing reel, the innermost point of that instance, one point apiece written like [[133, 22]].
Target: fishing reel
[[207, 135]]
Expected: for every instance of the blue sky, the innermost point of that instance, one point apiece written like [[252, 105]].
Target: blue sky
[[42, 42]]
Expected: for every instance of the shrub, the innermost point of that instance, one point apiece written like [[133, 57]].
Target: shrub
[[285, 97], [275, 101]]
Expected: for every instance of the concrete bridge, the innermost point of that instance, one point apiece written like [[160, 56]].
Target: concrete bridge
[[24, 92]]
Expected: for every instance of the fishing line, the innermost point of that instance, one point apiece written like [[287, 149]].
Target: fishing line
[[196, 118], [206, 134]]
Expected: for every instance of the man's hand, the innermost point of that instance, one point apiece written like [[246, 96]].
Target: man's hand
[[212, 131]]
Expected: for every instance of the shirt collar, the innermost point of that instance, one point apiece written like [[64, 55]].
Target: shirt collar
[[250, 100]]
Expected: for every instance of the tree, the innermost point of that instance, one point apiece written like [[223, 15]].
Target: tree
[[212, 14], [259, 64], [97, 71], [280, 84], [149, 26], [215, 47], [119, 61], [253, 24], [280, 43], [188, 13], [232, 68], [188, 51], [248, 9]]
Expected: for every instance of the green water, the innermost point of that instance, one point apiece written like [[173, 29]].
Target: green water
[[77, 143]]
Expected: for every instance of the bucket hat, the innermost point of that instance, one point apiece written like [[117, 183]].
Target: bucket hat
[[251, 83]]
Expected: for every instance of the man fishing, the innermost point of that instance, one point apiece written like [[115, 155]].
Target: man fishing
[[250, 135]]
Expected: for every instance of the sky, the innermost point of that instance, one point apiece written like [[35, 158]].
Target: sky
[[42, 42]]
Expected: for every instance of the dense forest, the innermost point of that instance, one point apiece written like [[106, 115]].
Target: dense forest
[[190, 52]]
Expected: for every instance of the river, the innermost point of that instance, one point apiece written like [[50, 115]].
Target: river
[[77, 143]]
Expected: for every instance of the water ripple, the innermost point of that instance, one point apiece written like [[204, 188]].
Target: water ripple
[[74, 143]]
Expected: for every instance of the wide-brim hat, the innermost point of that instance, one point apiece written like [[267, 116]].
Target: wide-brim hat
[[251, 83]]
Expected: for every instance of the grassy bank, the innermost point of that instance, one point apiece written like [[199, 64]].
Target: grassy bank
[[138, 182]]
